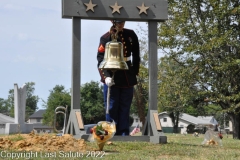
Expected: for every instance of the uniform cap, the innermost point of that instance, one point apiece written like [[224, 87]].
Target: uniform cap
[[118, 21]]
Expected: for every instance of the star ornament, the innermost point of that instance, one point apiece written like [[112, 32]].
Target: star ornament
[[116, 8], [90, 6], [143, 8]]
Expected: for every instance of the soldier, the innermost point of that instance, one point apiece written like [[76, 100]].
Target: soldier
[[121, 93]]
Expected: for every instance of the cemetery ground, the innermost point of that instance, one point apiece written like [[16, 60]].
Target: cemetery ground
[[178, 147]]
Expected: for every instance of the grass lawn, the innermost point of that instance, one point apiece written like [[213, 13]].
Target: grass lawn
[[178, 147]]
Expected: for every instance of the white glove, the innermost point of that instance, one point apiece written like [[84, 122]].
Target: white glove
[[109, 82]]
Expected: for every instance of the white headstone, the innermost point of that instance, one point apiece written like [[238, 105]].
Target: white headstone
[[20, 95]]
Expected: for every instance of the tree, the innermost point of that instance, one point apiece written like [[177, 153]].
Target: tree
[[58, 97], [4, 107], [140, 97], [10, 101], [92, 106], [203, 35], [176, 89], [31, 100]]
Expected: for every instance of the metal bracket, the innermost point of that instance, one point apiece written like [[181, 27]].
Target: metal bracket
[[152, 128], [75, 124]]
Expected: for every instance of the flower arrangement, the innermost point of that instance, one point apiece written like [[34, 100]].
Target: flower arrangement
[[212, 138], [220, 136], [211, 142], [102, 132]]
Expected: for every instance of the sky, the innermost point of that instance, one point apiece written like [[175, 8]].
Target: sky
[[36, 46]]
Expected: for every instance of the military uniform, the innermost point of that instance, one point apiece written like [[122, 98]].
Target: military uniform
[[122, 92]]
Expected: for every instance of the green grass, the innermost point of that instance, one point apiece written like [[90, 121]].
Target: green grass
[[17, 137], [178, 147]]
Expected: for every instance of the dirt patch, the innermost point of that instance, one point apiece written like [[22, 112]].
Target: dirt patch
[[43, 142]]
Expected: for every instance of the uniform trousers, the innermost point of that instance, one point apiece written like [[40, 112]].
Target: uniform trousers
[[119, 107]]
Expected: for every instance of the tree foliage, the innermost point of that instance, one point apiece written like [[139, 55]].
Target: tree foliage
[[4, 106], [58, 97], [31, 101], [139, 105], [91, 102], [203, 36], [174, 89]]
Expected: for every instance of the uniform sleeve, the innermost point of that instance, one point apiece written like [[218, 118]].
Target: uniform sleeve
[[135, 53], [100, 57]]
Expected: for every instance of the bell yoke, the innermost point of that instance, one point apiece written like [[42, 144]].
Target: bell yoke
[[118, 64]]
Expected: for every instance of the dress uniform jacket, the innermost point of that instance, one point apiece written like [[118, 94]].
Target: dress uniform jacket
[[122, 78]]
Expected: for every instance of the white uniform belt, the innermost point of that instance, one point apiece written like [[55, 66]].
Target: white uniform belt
[[127, 58]]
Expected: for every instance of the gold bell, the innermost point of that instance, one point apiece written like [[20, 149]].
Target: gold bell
[[113, 58]]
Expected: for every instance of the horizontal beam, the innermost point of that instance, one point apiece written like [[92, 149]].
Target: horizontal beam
[[153, 139], [134, 10]]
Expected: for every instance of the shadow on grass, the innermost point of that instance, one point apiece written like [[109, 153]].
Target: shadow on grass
[[185, 144], [109, 152]]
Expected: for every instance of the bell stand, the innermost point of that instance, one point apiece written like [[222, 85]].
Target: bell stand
[[152, 130], [75, 10], [75, 124]]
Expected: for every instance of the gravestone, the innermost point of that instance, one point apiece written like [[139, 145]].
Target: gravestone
[[19, 125]]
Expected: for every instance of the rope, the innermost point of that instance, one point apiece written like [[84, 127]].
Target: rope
[[108, 94]]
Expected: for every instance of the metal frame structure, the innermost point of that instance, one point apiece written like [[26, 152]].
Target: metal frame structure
[[151, 11]]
